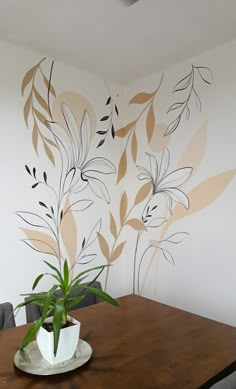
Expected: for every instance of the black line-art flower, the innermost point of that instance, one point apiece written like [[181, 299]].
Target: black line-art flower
[[73, 144], [166, 183]]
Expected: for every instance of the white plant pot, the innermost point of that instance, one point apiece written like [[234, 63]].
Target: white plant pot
[[68, 342]]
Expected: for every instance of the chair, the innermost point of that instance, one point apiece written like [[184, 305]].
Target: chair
[[33, 311], [227, 383], [7, 319]]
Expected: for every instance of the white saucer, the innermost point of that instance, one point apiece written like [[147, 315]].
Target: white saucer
[[31, 361]]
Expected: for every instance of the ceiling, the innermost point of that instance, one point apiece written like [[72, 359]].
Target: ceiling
[[115, 41]]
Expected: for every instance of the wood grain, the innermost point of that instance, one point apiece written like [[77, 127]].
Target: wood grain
[[142, 345]]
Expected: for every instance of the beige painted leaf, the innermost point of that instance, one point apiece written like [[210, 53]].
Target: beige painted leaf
[[113, 227], [122, 132], [141, 98], [27, 78], [117, 252], [27, 109], [150, 123], [202, 195], [122, 168], [46, 82], [195, 151], [142, 193], [134, 147], [35, 137], [41, 242], [69, 233], [40, 116], [103, 246], [40, 100], [136, 224], [159, 141], [123, 207], [50, 142], [49, 153]]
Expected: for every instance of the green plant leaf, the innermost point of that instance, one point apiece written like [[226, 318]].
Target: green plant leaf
[[106, 297], [66, 275], [30, 334], [37, 280], [72, 301], [56, 270], [57, 319]]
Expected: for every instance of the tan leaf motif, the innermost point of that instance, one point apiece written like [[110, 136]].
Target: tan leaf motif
[[123, 207], [113, 227], [41, 242], [122, 132], [134, 147], [40, 100], [195, 151], [40, 116], [103, 246], [35, 137], [150, 123], [27, 78], [122, 167], [136, 224], [49, 153], [27, 109], [141, 98], [69, 233], [142, 193], [202, 195], [117, 252], [51, 90], [50, 142]]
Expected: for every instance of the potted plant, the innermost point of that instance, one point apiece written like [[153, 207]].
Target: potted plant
[[56, 332]]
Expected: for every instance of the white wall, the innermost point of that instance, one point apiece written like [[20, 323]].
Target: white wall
[[202, 280]]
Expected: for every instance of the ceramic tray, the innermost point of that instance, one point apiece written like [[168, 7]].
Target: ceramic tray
[[31, 361]]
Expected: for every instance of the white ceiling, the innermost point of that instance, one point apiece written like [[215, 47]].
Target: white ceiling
[[118, 42]]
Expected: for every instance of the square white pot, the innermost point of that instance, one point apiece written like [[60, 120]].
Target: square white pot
[[68, 342]]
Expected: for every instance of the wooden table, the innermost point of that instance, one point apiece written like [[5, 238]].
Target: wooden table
[[142, 345]]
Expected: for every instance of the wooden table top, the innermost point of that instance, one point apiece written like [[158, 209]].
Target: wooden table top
[[142, 345]]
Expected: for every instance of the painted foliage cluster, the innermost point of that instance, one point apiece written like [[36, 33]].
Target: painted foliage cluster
[[64, 133]]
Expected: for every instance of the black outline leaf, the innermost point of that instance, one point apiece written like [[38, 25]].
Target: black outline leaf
[[42, 204], [27, 169], [172, 126], [108, 100], [183, 84], [34, 186], [104, 118], [101, 143], [116, 109], [112, 131], [175, 106]]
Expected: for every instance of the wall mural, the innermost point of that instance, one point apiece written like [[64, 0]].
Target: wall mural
[[63, 129]]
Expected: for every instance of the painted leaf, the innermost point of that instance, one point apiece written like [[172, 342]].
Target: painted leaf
[[69, 233], [50, 142], [103, 246], [94, 233], [150, 123], [122, 167], [51, 90], [172, 126], [40, 116], [123, 207], [122, 132], [141, 98], [142, 193], [136, 224], [41, 242], [27, 110], [79, 206], [27, 78], [134, 147], [49, 153], [113, 227], [40, 100], [32, 219], [117, 252], [195, 151], [203, 195], [35, 137]]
